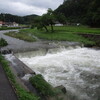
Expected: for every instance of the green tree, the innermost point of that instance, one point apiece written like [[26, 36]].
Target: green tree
[[50, 18], [81, 11], [46, 20]]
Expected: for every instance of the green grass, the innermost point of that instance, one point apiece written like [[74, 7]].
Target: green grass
[[22, 94], [43, 87], [78, 29], [22, 35], [64, 34], [3, 42], [9, 28]]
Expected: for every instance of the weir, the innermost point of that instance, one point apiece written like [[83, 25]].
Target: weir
[[77, 69], [74, 67]]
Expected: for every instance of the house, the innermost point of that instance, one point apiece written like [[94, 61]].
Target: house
[[58, 24], [15, 24], [1, 23], [11, 24]]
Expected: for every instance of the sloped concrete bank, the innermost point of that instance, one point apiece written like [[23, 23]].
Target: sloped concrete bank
[[23, 73], [21, 70]]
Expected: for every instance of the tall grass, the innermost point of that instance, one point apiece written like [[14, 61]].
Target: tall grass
[[22, 35]]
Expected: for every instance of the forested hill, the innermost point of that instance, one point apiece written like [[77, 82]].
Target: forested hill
[[83, 11], [19, 19]]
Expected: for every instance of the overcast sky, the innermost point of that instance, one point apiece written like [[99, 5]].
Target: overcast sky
[[27, 7]]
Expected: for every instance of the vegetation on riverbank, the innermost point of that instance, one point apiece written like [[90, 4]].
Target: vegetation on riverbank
[[3, 42], [22, 35], [9, 28], [45, 89], [21, 93], [69, 33], [42, 86], [61, 33]]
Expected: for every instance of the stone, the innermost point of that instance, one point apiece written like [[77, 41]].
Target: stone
[[62, 88]]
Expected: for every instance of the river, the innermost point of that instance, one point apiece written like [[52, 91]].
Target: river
[[77, 69]]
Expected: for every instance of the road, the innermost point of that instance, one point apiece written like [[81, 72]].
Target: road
[[6, 90]]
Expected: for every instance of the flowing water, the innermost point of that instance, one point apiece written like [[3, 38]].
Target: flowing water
[[77, 69]]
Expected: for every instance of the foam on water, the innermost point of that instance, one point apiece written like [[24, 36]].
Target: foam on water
[[77, 69]]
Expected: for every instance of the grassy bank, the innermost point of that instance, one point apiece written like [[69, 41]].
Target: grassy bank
[[62, 36], [45, 89], [21, 93], [62, 33], [77, 29], [22, 35], [9, 28], [42, 86]]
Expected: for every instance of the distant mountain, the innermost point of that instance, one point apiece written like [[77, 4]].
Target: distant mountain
[[81, 11], [29, 19], [19, 19]]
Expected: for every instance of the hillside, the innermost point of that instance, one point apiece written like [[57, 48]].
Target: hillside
[[81, 11], [19, 19]]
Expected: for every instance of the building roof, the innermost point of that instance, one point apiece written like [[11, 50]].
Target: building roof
[[1, 22]]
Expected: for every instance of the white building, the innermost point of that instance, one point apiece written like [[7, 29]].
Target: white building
[[15, 24], [59, 24]]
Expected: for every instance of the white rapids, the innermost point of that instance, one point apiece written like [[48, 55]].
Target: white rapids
[[78, 70]]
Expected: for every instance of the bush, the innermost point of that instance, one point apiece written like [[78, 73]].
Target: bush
[[3, 42], [42, 86], [8, 28]]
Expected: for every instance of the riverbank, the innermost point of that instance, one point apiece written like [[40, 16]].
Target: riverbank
[[92, 37], [62, 33], [17, 87]]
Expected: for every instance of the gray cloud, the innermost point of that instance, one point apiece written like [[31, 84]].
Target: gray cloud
[[26, 7]]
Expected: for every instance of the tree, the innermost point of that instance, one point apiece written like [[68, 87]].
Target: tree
[[50, 18], [81, 11], [46, 20], [61, 18]]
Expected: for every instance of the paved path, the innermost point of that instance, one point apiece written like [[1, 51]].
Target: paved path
[[6, 91]]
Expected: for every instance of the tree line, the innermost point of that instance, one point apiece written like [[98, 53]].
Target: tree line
[[19, 19]]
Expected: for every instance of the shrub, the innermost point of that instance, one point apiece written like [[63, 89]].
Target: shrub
[[42, 86], [3, 42]]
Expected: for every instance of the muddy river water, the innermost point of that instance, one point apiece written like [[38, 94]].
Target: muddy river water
[[77, 69]]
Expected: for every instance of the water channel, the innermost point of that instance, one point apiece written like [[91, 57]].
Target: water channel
[[77, 69]]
